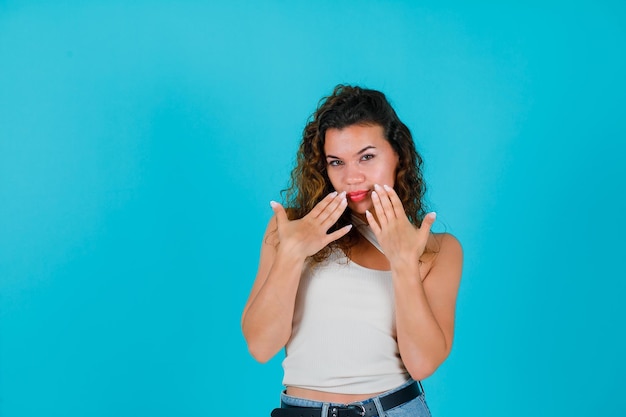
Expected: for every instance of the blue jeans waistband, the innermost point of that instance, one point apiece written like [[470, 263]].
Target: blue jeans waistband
[[303, 402]]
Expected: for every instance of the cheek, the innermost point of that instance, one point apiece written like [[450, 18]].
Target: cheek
[[333, 178], [394, 171], [387, 176]]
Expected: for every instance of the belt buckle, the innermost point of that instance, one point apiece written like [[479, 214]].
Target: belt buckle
[[354, 407]]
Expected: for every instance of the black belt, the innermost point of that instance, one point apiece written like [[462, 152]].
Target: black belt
[[368, 409]]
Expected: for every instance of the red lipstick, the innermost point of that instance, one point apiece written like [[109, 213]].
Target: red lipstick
[[357, 196]]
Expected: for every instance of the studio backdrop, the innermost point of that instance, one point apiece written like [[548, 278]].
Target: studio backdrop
[[141, 143]]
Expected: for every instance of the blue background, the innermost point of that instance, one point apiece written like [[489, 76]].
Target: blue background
[[141, 142]]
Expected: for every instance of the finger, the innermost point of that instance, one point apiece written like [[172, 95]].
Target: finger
[[398, 208], [379, 209], [321, 206], [279, 211], [338, 234], [333, 210], [427, 223], [372, 222], [385, 202]]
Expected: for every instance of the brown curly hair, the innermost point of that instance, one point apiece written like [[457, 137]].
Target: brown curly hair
[[309, 183]]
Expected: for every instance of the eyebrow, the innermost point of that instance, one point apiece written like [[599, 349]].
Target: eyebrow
[[358, 153]]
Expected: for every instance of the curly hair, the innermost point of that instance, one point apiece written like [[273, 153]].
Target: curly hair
[[309, 183]]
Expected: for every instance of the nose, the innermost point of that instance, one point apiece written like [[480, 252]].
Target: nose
[[353, 174]]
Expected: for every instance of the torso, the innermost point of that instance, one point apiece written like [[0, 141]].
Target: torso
[[330, 397], [366, 255]]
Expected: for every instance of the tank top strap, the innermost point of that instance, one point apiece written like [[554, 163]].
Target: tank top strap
[[366, 231]]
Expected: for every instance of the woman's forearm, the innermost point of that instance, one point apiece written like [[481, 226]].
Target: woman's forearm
[[421, 340], [266, 323]]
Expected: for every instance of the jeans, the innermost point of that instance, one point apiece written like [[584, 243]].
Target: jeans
[[414, 408]]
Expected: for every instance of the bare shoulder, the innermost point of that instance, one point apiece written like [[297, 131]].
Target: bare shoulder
[[444, 254], [448, 244]]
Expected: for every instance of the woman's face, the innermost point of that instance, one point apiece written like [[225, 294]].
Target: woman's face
[[357, 157]]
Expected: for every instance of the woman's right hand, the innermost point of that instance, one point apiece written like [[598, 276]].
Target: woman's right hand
[[268, 315], [306, 236]]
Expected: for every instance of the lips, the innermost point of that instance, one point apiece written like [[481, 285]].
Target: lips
[[357, 196]]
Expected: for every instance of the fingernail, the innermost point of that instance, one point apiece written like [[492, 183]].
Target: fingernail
[[334, 193], [376, 186], [273, 203], [386, 187], [367, 213]]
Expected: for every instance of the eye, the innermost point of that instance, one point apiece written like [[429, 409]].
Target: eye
[[335, 162], [367, 157]]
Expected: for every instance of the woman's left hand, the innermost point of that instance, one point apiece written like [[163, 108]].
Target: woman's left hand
[[400, 240]]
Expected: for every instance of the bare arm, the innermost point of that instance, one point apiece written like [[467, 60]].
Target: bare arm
[[268, 314], [425, 309], [425, 306]]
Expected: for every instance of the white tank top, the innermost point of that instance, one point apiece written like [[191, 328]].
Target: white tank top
[[344, 332]]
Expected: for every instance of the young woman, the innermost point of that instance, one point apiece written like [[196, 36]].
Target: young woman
[[351, 281]]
